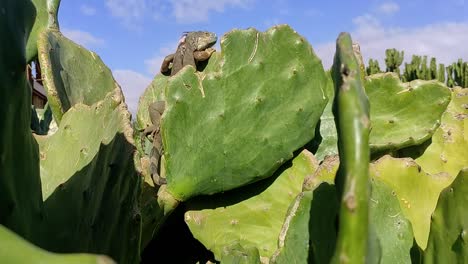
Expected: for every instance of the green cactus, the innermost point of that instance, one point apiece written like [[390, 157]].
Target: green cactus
[[373, 67], [260, 92], [393, 60], [449, 142], [254, 215], [433, 69], [417, 204], [16, 250], [20, 203], [450, 81], [47, 11], [449, 223], [393, 230], [236, 254], [98, 178], [351, 110], [293, 242], [394, 124], [441, 73], [424, 73], [324, 142], [63, 63]]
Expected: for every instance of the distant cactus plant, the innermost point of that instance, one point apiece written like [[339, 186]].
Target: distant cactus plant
[[441, 73], [373, 67], [393, 60]]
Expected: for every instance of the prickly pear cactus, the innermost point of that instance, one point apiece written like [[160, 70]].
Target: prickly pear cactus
[[447, 151], [16, 250], [351, 111], [236, 254], [293, 243], [393, 106], [98, 177], [325, 142], [63, 63], [265, 90], [20, 203], [393, 230], [46, 17], [255, 218], [449, 224], [417, 204]]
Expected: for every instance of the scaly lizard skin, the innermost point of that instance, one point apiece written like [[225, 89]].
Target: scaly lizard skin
[[156, 110], [194, 46]]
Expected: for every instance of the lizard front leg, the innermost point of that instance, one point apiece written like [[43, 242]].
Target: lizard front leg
[[203, 55], [166, 62]]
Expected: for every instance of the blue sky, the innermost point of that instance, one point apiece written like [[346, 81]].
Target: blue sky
[[133, 36]]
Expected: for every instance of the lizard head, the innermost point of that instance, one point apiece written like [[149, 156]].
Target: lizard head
[[201, 40]]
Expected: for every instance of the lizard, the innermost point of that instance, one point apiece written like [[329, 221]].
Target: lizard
[[193, 47]]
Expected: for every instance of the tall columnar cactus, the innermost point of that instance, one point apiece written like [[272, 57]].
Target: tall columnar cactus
[[424, 73], [393, 60], [450, 81], [433, 69], [441, 73], [449, 224], [257, 90], [16, 250], [373, 67], [351, 110], [20, 186]]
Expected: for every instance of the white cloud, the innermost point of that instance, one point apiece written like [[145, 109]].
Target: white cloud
[[153, 64], [444, 41], [129, 11], [133, 85], [389, 8], [192, 11], [82, 37], [87, 10], [133, 12]]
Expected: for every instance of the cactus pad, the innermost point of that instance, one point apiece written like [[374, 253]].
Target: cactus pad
[[449, 147], [449, 224], [20, 186], [403, 114], [16, 250], [256, 221], [71, 73], [239, 120], [417, 191], [293, 242], [393, 230], [89, 164]]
